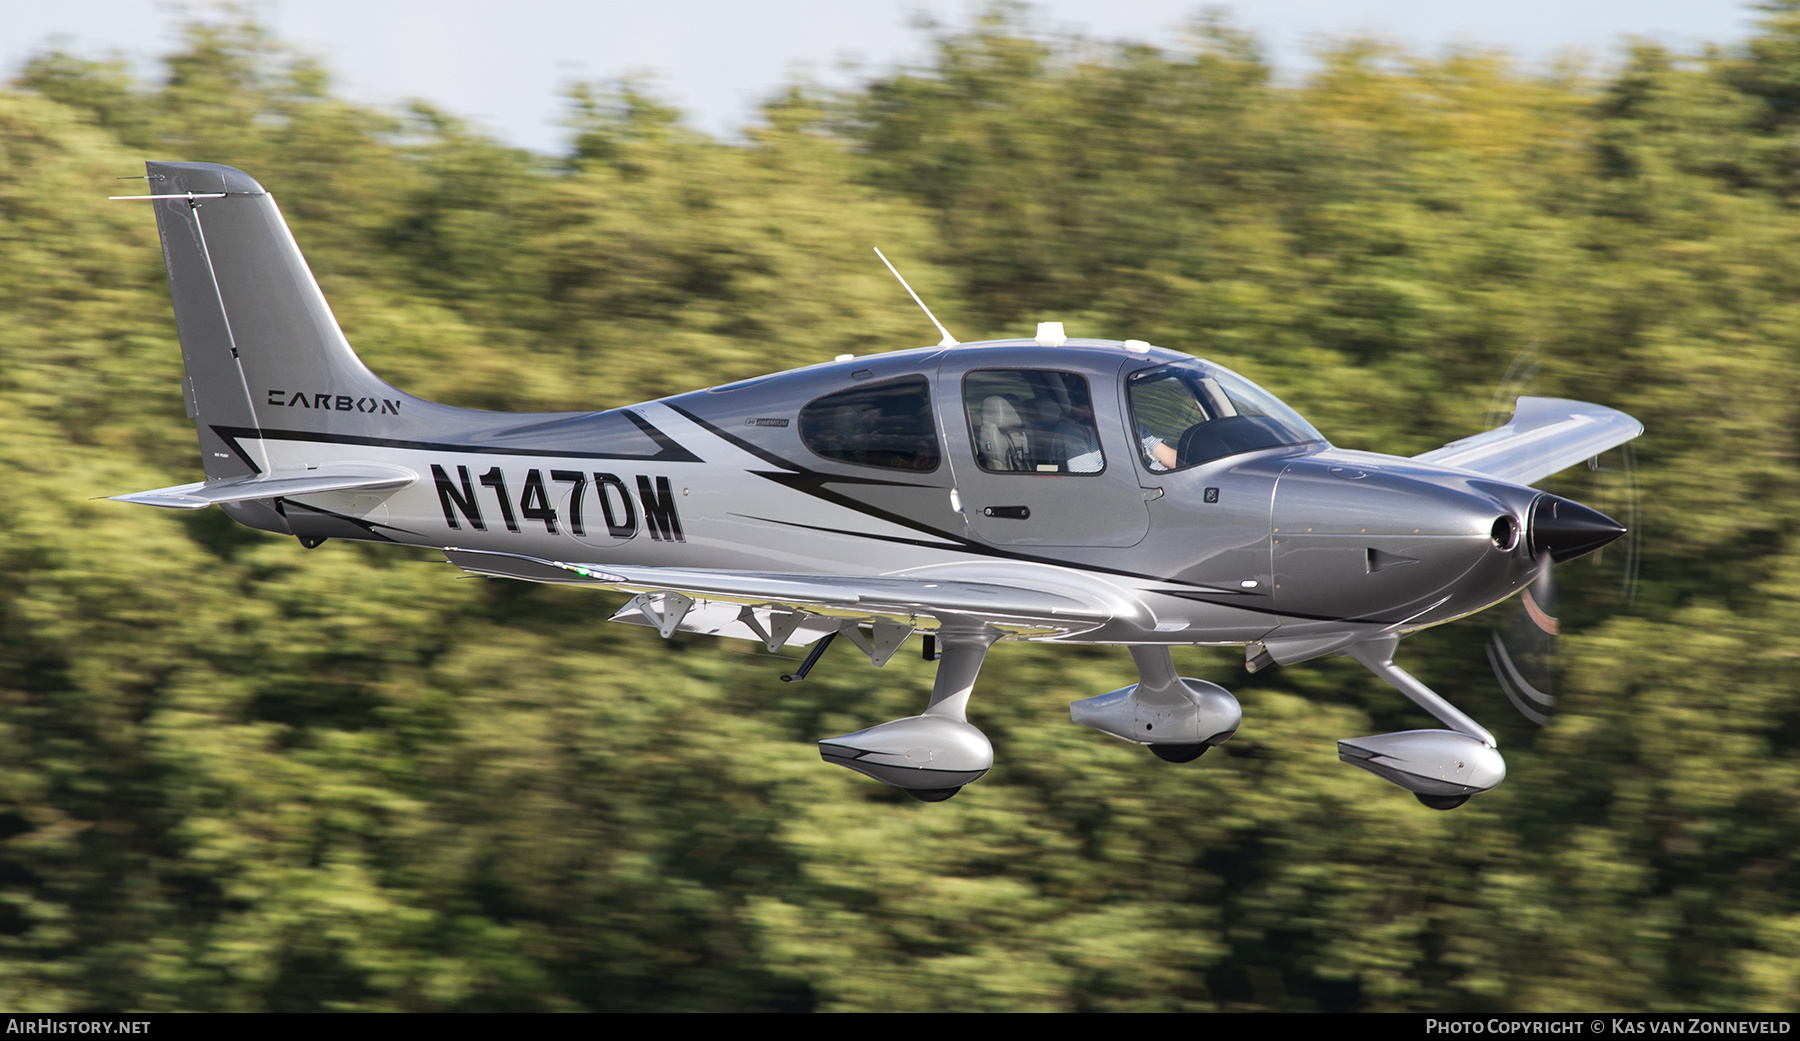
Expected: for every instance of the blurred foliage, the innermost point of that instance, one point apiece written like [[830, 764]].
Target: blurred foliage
[[238, 776]]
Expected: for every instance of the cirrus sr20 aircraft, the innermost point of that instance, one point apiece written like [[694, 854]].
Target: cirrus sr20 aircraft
[[1058, 490]]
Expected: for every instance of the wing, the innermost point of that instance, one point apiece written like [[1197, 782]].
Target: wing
[[1544, 436], [912, 602], [335, 477]]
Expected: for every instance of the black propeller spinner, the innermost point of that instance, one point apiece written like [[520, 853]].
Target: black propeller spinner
[[1565, 529]]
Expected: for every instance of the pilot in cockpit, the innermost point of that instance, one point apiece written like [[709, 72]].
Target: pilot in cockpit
[[1188, 413], [1158, 455], [1081, 441]]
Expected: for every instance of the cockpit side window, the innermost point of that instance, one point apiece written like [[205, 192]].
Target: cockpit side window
[[887, 425], [1032, 421], [1188, 413]]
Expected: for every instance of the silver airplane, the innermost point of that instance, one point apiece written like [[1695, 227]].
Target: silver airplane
[[1057, 490]]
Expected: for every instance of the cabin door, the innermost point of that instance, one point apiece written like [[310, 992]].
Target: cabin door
[[1039, 451]]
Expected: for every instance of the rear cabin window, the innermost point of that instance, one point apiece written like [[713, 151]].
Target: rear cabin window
[[1032, 421], [887, 425]]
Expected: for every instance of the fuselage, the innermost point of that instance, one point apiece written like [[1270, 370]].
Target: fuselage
[[1194, 505], [1086, 490]]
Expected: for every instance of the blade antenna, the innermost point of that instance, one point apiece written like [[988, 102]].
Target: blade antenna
[[948, 340]]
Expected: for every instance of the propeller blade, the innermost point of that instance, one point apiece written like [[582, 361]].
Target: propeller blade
[[1539, 598], [1524, 661], [1532, 703]]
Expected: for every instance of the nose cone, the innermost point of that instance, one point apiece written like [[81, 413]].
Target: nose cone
[[1567, 530]]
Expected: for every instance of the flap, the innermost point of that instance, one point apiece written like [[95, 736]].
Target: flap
[[843, 596]]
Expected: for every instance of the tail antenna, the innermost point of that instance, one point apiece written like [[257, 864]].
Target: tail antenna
[[948, 340]]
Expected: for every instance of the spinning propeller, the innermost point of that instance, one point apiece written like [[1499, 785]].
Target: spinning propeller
[[1523, 654]]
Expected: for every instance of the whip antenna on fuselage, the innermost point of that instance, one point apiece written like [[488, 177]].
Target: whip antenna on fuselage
[[948, 340]]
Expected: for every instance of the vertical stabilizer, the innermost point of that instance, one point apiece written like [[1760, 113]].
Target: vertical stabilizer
[[261, 346]]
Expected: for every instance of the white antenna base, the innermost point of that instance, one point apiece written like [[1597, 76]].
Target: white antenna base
[[1050, 334]]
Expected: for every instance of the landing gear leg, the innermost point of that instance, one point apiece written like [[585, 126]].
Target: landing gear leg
[[1378, 657], [958, 665]]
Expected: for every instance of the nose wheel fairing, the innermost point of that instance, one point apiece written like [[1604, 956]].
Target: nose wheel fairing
[[1435, 763]]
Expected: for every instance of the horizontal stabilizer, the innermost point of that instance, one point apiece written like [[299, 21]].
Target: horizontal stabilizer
[[1545, 435], [344, 477], [841, 595]]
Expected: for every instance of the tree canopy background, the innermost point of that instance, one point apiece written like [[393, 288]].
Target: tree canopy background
[[238, 775]]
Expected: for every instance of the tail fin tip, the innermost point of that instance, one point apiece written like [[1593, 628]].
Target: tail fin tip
[[173, 178]]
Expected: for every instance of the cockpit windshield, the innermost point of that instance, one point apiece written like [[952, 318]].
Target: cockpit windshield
[[1189, 413]]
